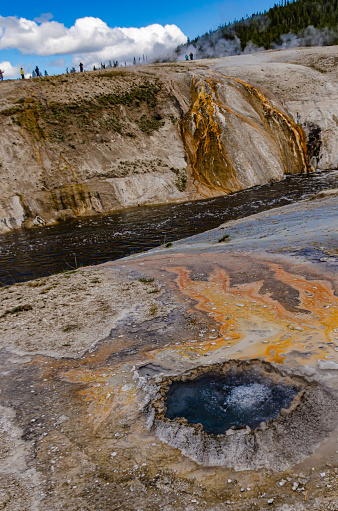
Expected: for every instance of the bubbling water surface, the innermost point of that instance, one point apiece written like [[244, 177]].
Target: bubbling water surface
[[219, 402]]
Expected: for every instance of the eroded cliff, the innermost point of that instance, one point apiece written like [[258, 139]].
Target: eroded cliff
[[236, 139], [95, 142]]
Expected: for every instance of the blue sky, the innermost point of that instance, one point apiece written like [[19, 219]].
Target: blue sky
[[51, 46]]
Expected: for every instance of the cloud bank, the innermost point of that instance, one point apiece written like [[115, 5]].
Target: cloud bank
[[89, 38], [9, 70]]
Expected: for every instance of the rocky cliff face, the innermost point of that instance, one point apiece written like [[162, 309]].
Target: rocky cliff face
[[95, 142], [86, 144], [236, 139]]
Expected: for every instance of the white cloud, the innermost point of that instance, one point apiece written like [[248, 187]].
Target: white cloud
[[90, 38], [9, 70]]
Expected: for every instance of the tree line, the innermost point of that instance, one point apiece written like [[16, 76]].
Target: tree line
[[265, 29]]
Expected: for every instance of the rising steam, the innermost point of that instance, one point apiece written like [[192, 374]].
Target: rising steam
[[215, 44]]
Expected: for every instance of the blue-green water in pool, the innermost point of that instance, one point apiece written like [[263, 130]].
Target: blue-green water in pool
[[219, 402]]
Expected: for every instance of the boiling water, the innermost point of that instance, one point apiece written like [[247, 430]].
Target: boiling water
[[219, 402]]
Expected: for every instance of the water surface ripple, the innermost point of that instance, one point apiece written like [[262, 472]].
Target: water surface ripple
[[219, 402], [31, 253]]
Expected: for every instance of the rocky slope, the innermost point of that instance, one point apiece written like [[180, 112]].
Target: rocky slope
[[84, 356], [101, 141]]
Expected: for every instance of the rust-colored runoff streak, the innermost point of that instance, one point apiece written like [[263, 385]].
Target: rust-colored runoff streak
[[297, 134], [77, 197], [256, 325], [210, 163]]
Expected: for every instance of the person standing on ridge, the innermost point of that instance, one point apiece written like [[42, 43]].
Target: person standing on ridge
[[1, 75], [191, 55], [37, 71], [186, 57], [22, 73], [81, 67]]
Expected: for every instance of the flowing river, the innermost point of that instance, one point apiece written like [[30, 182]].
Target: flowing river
[[31, 253]]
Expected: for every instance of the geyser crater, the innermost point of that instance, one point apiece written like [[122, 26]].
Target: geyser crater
[[242, 414], [220, 402]]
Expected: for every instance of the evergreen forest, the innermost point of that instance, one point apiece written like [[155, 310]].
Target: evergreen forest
[[313, 22]]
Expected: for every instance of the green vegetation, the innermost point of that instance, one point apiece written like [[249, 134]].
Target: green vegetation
[[90, 115], [224, 238], [19, 308], [36, 283], [153, 310], [266, 29], [12, 110], [182, 178], [154, 290], [70, 327], [145, 280], [115, 73], [148, 125], [113, 123], [27, 113], [138, 93]]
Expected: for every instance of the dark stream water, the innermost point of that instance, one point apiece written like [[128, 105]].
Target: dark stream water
[[219, 402], [30, 253]]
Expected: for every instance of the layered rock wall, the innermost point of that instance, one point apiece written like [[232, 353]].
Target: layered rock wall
[[97, 142]]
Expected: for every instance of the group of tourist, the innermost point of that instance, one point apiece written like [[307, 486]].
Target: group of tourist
[[22, 73], [36, 73]]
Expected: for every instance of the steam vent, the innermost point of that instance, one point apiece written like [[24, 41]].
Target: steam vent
[[201, 374]]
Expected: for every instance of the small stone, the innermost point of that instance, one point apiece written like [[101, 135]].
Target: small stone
[[270, 501], [295, 486], [323, 364]]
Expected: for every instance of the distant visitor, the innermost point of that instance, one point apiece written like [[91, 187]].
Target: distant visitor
[[81, 67], [1, 75], [191, 55], [22, 73], [187, 57], [37, 71]]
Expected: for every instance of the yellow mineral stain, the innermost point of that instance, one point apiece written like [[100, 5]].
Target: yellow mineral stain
[[210, 163], [259, 326], [247, 323], [103, 392], [296, 132], [212, 167]]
